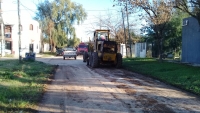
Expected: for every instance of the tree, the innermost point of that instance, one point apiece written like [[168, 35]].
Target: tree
[[192, 7], [57, 19], [157, 14], [173, 35]]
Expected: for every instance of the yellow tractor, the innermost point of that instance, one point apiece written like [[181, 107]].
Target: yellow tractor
[[102, 51]]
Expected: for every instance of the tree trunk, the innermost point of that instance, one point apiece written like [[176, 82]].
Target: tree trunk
[[160, 49], [51, 42]]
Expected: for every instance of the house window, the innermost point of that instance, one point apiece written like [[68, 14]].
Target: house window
[[8, 35], [8, 45], [31, 27], [8, 29]]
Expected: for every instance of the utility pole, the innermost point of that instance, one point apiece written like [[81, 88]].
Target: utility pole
[[128, 29], [2, 31], [124, 30], [19, 28]]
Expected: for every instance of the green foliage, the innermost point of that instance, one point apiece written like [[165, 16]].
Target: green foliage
[[21, 84], [180, 75], [172, 42], [74, 41]]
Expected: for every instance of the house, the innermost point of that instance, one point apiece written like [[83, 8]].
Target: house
[[30, 37], [190, 41]]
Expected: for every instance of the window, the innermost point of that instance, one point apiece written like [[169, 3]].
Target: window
[[31, 27], [82, 46], [7, 35], [8, 29], [8, 45]]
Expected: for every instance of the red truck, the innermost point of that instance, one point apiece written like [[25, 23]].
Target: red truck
[[82, 47]]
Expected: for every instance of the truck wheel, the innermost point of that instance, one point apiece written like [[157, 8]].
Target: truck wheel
[[119, 61], [63, 58], [95, 60], [85, 56], [75, 58]]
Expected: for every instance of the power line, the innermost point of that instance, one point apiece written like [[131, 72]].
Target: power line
[[16, 10], [27, 8], [100, 10]]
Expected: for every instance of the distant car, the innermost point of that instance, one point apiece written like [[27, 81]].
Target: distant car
[[69, 52], [59, 52], [167, 55]]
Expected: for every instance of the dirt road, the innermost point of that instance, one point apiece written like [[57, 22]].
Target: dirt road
[[79, 89]]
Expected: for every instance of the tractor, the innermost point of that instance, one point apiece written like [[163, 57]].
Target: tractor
[[102, 51]]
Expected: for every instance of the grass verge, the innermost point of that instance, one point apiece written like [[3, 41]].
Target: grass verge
[[22, 84], [180, 75], [48, 54]]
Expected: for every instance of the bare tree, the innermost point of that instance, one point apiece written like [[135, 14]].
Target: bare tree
[[157, 14]]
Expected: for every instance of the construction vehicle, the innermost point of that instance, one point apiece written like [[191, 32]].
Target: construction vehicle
[[102, 51]]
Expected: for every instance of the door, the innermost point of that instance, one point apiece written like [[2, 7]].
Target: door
[[31, 47]]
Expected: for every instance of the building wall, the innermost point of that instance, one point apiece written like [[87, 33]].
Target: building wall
[[123, 50], [28, 37], [7, 42], [140, 50], [190, 41]]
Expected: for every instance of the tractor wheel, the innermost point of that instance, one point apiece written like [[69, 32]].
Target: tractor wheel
[[85, 56], [119, 60], [90, 59], [95, 59]]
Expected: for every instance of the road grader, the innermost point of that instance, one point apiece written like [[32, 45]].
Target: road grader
[[102, 51]]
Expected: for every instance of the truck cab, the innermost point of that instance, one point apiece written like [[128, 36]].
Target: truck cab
[[82, 47]]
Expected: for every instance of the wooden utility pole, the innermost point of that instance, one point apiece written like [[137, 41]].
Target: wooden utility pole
[[2, 31], [19, 28], [128, 30], [124, 30]]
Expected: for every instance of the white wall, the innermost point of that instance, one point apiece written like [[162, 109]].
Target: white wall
[[46, 48], [140, 50], [27, 37], [123, 50]]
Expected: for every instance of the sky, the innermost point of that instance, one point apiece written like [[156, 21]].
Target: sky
[[95, 9]]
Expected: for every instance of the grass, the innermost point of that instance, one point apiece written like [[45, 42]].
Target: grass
[[48, 54], [180, 75], [22, 84], [9, 55]]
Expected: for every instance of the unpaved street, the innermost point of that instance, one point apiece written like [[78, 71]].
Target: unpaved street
[[79, 89]]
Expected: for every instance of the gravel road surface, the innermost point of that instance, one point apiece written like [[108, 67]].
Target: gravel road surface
[[77, 88]]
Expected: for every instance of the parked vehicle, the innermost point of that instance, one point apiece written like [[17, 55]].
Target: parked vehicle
[[69, 52], [82, 47], [59, 52]]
